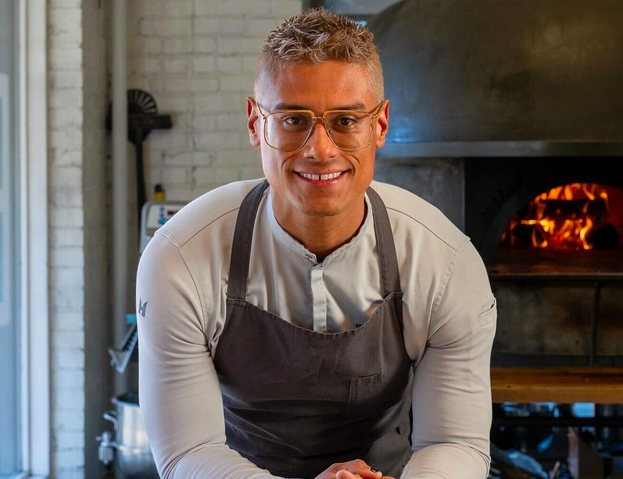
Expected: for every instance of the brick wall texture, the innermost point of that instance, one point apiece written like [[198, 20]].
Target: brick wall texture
[[66, 228], [197, 58]]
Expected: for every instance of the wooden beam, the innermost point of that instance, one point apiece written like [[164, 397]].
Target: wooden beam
[[560, 385]]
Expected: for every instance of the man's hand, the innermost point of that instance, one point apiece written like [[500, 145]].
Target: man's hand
[[356, 469]]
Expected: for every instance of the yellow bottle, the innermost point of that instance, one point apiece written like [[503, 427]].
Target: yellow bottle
[[159, 192]]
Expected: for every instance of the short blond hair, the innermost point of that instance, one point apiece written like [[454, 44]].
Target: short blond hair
[[316, 36]]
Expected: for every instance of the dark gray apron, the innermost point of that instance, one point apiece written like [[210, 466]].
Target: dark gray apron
[[296, 400]]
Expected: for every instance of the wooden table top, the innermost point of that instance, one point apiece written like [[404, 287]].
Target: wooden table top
[[561, 385]]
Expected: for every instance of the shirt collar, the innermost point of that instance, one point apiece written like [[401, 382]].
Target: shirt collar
[[293, 245]]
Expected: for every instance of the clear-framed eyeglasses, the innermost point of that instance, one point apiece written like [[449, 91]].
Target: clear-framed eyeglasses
[[289, 130]]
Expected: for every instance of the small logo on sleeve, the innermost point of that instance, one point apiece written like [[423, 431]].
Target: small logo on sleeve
[[142, 307]]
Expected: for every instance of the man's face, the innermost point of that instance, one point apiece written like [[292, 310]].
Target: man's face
[[332, 85]]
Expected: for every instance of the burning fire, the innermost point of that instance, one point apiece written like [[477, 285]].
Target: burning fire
[[566, 217]]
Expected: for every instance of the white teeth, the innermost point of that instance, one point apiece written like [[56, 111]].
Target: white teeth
[[331, 176], [321, 177]]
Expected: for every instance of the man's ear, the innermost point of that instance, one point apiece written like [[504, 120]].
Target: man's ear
[[382, 124], [253, 123]]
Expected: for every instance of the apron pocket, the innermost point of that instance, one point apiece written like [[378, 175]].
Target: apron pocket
[[363, 388]]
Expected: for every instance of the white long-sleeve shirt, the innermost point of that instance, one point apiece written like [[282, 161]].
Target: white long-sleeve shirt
[[449, 325]]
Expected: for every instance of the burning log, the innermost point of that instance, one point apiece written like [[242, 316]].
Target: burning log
[[574, 216], [604, 236]]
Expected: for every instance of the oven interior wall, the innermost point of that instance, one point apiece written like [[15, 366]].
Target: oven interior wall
[[540, 323], [496, 188]]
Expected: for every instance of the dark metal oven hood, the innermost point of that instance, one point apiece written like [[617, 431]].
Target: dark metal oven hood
[[503, 77]]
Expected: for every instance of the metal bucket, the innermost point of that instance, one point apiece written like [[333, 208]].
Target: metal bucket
[[133, 457]]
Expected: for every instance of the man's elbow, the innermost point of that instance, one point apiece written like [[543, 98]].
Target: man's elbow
[[168, 468], [444, 457]]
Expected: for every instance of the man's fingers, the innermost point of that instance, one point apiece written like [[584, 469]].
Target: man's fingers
[[359, 469], [344, 474]]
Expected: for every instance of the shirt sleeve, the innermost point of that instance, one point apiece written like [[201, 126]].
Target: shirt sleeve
[[452, 405], [179, 390]]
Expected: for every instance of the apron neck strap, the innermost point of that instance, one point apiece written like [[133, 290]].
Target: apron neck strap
[[243, 237], [241, 246], [388, 262]]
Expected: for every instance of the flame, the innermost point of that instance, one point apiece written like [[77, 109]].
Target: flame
[[555, 224]]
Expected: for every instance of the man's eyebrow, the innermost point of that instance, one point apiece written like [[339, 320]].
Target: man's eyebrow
[[291, 106]]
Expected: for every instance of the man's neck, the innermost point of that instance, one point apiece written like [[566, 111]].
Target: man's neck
[[322, 235]]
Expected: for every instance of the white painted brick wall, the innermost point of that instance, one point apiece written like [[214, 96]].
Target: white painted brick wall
[[197, 58], [65, 120], [67, 379]]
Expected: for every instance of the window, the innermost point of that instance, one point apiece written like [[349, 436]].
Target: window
[[25, 441], [10, 449]]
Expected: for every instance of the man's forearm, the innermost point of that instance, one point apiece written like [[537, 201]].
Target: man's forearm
[[446, 461], [214, 460]]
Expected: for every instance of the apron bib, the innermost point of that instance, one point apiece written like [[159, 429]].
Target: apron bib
[[296, 400]]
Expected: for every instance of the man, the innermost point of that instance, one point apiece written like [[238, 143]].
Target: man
[[317, 324]]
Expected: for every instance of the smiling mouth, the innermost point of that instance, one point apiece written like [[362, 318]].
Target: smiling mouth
[[329, 176]]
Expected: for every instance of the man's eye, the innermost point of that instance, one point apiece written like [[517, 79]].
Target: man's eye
[[345, 122], [294, 120]]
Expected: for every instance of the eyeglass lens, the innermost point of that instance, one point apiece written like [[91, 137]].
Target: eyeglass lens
[[289, 130]]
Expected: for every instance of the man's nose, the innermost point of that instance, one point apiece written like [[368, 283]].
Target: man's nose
[[319, 144]]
